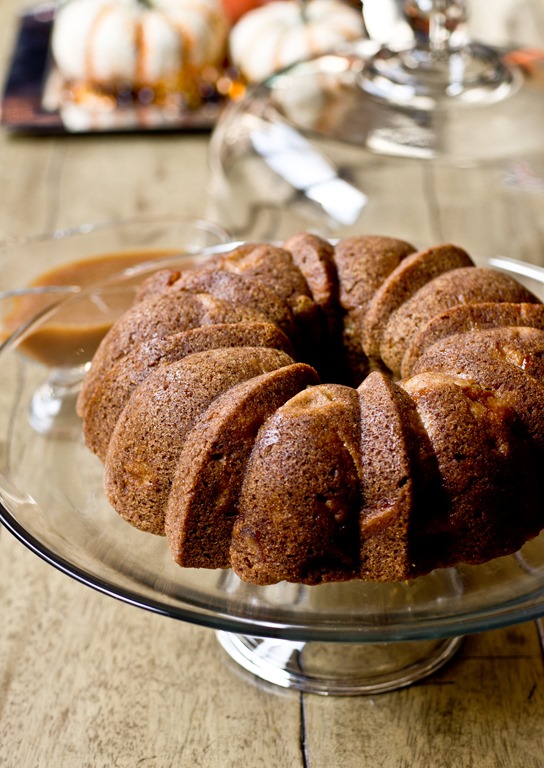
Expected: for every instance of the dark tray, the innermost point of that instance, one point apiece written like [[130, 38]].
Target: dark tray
[[32, 103]]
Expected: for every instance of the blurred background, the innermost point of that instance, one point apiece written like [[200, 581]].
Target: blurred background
[[420, 172]]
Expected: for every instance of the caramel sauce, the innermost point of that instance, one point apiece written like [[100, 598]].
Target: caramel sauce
[[72, 336]]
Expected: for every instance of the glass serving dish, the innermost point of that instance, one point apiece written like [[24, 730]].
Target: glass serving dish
[[348, 638], [39, 270]]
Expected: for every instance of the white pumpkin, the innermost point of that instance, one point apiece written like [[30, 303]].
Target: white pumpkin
[[280, 33], [137, 43]]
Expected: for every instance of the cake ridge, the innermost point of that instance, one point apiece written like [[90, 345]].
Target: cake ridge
[[203, 503], [149, 434]]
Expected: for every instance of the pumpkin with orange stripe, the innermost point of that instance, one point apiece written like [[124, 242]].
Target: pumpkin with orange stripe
[[283, 32], [110, 45]]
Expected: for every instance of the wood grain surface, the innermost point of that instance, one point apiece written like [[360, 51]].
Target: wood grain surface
[[89, 682]]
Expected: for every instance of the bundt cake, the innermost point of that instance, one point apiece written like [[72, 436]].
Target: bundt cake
[[252, 410]]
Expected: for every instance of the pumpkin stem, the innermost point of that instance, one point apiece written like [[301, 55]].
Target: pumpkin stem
[[304, 10], [145, 3]]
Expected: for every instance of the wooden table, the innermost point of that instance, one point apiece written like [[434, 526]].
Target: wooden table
[[86, 681]]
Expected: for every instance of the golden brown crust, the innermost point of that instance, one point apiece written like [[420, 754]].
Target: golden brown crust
[[239, 290], [363, 263], [301, 492], [395, 489], [270, 265], [314, 257], [149, 435], [413, 272], [274, 267], [508, 362], [157, 317], [203, 503], [487, 471], [115, 387], [467, 285], [470, 317]]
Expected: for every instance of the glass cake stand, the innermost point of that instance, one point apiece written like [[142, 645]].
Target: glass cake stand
[[348, 638]]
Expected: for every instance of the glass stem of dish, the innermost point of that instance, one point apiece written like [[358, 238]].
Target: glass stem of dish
[[437, 25], [53, 403], [339, 669], [441, 64]]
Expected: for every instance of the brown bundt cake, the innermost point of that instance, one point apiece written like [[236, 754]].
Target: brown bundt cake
[[251, 409]]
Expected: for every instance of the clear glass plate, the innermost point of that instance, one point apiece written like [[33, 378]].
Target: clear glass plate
[[51, 491]]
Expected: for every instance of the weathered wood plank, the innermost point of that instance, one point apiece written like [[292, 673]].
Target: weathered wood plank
[[89, 682], [480, 711]]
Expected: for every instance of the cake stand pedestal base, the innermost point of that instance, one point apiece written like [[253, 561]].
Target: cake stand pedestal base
[[339, 669]]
